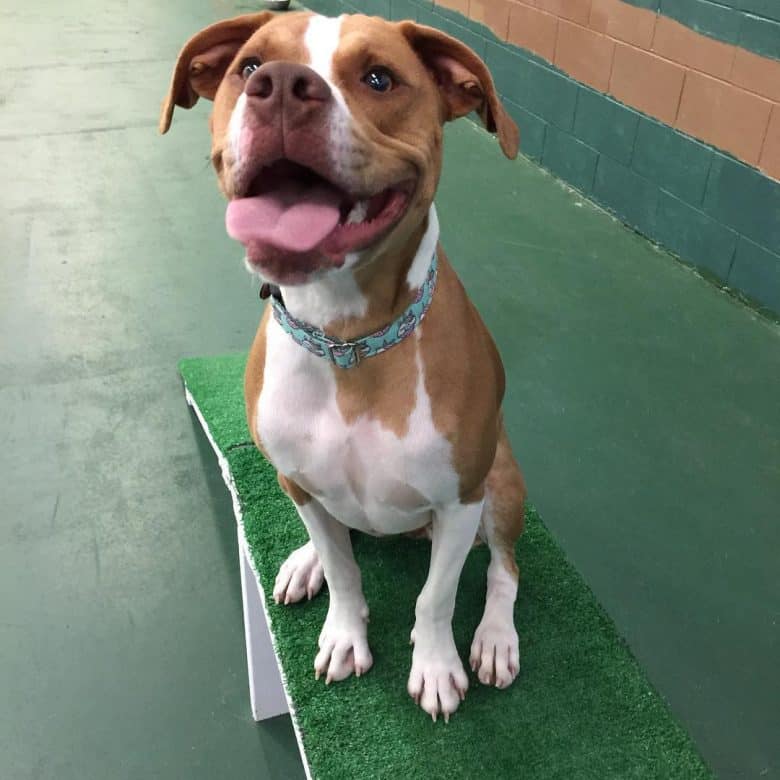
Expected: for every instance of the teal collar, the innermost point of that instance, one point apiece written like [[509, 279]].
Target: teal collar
[[348, 354]]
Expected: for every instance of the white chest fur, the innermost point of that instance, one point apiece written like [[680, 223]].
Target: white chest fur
[[365, 475]]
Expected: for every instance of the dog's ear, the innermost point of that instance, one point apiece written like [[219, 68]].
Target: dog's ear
[[204, 59], [464, 82]]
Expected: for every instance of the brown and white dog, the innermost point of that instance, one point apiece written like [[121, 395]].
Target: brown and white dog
[[327, 141]]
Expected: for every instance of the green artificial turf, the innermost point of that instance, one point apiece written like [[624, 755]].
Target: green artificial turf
[[581, 707]]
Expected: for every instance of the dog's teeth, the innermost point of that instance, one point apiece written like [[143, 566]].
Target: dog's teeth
[[358, 213]]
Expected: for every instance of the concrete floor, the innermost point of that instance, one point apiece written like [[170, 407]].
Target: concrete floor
[[642, 403]]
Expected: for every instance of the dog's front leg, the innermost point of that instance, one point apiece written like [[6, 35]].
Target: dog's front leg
[[437, 681], [343, 642]]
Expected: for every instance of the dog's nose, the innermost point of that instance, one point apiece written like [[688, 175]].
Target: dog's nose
[[289, 83]]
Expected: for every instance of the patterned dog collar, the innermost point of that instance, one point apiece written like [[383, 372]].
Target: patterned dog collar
[[348, 354]]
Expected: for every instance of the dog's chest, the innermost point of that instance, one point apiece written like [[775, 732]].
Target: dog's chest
[[365, 475]]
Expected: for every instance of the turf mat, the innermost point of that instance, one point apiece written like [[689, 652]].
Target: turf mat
[[581, 707]]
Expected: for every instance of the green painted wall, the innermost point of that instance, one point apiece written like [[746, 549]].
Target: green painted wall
[[752, 24], [712, 210]]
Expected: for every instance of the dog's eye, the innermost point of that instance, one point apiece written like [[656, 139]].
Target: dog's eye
[[379, 79], [249, 66]]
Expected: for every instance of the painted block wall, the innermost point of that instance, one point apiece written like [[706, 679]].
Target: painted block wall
[[751, 24], [709, 208]]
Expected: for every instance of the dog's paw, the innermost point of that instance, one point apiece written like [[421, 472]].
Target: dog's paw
[[495, 653], [300, 575], [437, 681], [343, 646]]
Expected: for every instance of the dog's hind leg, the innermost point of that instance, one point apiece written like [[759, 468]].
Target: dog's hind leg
[[495, 655]]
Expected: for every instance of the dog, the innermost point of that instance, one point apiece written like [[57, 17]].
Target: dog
[[372, 385]]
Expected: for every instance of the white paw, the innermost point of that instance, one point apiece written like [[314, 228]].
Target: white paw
[[495, 653], [343, 646], [300, 575], [437, 681]]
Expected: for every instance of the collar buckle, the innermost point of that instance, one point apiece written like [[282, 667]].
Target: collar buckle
[[344, 354]]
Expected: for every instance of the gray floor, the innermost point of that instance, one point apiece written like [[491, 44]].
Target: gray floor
[[642, 403]]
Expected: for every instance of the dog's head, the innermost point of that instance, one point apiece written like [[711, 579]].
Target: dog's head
[[327, 133]]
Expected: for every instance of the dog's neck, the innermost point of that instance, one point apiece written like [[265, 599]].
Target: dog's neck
[[355, 302]]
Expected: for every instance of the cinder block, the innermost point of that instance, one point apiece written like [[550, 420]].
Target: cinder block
[[756, 272], [760, 35], [646, 81], [469, 37], [532, 130], [623, 21], [569, 159], [769, 9], [427, 16], [675, 162], [726, 116], [375, 7], [695, 236], [679, 43], [574, 10], [493, 14], [633, 198], [705, 17], [744, 199], [770, 153], [584, 54], [756, 73], [403, 9], [606, 125], [551, 95], [328, 7], [533, 29], [461, 6], [510, 71]]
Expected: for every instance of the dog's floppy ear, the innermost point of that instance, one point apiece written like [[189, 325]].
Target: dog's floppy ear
[[464, 82], [204, 59]]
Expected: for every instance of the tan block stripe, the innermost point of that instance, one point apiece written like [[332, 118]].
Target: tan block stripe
[[494, 14], [455, 5], [623, 22], [714, 91], [757, 74], [678, 43], [770, 153], [534, 30], [727, 116], [573, 10], [647, 82], [584, 54]]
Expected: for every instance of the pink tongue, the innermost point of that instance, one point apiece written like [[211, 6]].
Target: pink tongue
[[293, 217]]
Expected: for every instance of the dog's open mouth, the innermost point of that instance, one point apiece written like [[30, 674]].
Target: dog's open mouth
[[290, 208]]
